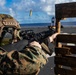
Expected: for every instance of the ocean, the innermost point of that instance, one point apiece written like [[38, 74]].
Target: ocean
[[35, 24], [64, 24]]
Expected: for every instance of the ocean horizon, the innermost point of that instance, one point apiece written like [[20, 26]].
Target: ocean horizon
[[35, 24], [64, 24]]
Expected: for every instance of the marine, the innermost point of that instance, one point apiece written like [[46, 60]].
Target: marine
[[28, 61]]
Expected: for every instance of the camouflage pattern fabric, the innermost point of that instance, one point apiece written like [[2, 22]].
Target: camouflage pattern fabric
[[26, 62]]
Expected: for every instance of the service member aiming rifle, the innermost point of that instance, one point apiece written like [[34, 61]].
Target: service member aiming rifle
[[21, 57], [30, 58]]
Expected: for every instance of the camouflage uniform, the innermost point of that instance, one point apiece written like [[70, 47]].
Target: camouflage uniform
[[25, 62]]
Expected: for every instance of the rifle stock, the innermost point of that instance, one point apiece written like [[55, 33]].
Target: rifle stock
[[39, 37]]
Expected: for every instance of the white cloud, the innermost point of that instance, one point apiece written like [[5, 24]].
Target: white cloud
[[11, 12], [48, 9], [2, 2], [47, 6], [43, 0], [24, 5], [19, 6], [64, 1]]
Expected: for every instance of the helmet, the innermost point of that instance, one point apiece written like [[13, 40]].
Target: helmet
[[8, 25]]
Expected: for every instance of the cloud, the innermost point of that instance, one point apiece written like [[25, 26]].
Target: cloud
[[47, 6], [2, 2], [18, 7], [25, 5], [47, 9], [64, 1], [12, 12]]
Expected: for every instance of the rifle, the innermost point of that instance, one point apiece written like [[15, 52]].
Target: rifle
[[28, 36], [39, 37]]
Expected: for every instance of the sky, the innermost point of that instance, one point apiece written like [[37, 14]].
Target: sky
[[42, 10]]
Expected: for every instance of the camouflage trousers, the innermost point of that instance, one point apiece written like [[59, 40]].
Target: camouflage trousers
[[25, 62]]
